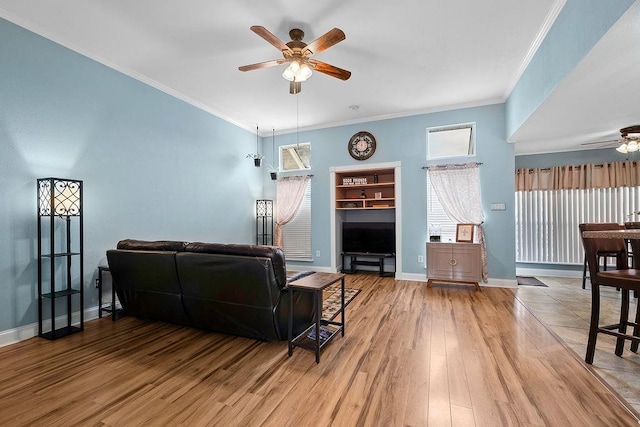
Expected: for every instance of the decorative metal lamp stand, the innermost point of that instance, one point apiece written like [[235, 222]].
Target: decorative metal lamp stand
[[60, 248], [264, 222]]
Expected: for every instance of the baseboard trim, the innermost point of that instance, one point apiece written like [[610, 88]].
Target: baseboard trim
[[21, 333], [414, 277], [547, 272]]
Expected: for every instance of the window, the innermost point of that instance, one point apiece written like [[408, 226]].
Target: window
[[296, 157], [437, 219], [296, 234], [451, 141]]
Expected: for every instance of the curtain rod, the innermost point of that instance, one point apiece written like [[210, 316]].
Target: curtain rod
[[456, 165], [595, 165]]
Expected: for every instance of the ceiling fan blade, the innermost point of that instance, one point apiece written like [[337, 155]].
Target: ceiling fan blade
[[268, 36], [330, 70], [295, 87], [600, 142], [325, 41], [260, 65]]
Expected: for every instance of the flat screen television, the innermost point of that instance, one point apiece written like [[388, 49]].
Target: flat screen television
[[369, 237]]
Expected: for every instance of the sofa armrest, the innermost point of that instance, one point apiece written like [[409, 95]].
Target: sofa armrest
[[299, 275]]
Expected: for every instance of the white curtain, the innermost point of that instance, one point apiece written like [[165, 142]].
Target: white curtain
[[458, 189], [289, 195]]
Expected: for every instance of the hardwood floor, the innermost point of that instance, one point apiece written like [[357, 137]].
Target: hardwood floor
[[412, 355]]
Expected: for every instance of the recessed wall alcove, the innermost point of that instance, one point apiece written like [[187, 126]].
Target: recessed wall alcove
[[339, 216]]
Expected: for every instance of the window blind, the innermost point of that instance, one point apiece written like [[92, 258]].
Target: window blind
[[547, 221]]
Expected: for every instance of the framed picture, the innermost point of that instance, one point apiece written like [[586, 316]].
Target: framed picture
[[464, 233]]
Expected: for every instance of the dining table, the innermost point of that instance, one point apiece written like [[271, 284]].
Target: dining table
[[623, 233]]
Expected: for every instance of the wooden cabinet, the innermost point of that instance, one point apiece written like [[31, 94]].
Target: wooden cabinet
[[367, 189], [454, 262]]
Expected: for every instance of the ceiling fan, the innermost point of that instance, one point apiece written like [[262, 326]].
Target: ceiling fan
[[629, 140], [298, 55]]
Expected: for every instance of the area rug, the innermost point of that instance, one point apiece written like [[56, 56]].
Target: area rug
[[529, 281], [331, 301]]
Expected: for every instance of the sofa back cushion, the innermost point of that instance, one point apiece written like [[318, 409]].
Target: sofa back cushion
[[158, 245], [230, 293], [147, 284], [274, 253]]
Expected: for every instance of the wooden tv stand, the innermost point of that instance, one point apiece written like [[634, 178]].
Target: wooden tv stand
[[380, 262]]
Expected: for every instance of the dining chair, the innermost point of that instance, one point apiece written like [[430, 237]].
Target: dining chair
[[635, 244], [610, 248], [626, 279], [635, 249]]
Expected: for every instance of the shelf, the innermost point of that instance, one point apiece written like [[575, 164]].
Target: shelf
[[364, 209], [361, 196], [61, 254], [379, 184], [307, 339], [63, 293], [368, 199], [62, 332], [108, 309]]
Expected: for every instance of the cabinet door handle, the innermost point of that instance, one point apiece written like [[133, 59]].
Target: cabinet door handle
[[453, 261]]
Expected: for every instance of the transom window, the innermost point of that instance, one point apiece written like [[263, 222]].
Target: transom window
[[296, 157], [451, 141]]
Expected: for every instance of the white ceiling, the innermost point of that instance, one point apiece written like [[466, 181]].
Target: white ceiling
[[406, 56], [597, 99]]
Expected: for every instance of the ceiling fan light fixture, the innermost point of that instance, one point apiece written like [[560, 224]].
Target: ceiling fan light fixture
[[622, 148], [305, 72], [288, 74], [632, 146], [297, 72]]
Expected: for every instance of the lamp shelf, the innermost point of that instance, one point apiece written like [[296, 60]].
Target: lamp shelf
[[62, 293], [61, 332], [60, 274], [61, 254], [264, 222]]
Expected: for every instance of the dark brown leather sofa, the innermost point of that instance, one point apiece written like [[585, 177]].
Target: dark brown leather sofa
[[229, 288]]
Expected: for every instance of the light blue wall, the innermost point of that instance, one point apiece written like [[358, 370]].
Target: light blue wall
[[404, 140], [153, 166], [578, 27]]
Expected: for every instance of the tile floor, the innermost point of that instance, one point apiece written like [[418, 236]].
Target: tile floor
[[565, 308]]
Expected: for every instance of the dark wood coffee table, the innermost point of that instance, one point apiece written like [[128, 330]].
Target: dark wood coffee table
[[321, 332]]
